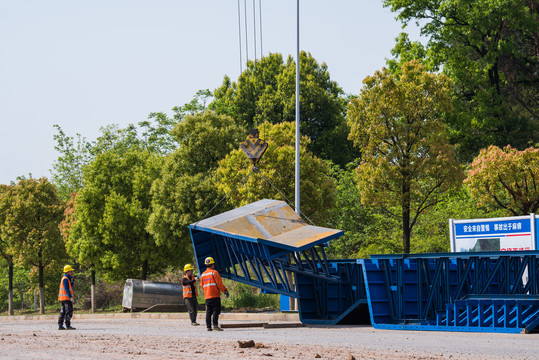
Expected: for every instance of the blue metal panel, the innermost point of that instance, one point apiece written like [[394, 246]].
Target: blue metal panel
[[261, 244], [284, 302], [330, 303], [536, 233], [287, 245], [495, 292]]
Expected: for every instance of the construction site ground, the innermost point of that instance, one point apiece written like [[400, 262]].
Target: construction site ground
[[170, 336]]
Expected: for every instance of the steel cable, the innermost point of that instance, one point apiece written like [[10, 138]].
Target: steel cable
[[254, 169], [224, 197], [257, 170]]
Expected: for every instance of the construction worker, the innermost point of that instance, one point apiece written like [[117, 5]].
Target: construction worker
[[213, 287], [190, 293], [66, 296]]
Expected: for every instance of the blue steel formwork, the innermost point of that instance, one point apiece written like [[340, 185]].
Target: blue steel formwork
[[265, 243], [261, 243], [481, 292], [331, 303]]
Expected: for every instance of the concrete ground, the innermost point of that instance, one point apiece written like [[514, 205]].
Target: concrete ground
[[170, 336]]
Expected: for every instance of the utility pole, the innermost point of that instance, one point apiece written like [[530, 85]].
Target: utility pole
[[292, 301], [297, 197]]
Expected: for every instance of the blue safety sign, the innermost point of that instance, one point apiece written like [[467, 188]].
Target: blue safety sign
[[494, 228], [497, 234]]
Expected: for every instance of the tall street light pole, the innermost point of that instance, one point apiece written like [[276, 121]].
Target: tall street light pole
[[297, 118], [292, 301]]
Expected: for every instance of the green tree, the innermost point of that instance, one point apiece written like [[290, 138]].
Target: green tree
[[156, 134], [31, 224], [67, 171], [111, 215], [407, 161], [204, 139], [199, 104], [348, 214], [185, 190], [405, 51], [77, 249], [265, 92], [153, 136], [16, 279], [431, 233], [490, 50], [5, 244], [506, 179], [277, 165]]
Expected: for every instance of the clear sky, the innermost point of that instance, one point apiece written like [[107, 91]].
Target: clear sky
[[87, 64]]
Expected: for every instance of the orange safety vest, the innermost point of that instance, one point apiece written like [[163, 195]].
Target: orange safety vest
[[187, 292], [63, 294], [212, 284]]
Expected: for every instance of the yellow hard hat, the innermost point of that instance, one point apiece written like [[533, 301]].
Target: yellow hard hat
[[209, 260], [188, 267], [68, 268]]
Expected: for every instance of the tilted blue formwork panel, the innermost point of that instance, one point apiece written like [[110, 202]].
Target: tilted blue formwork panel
[[482, 292], [264, 243], [260, 244]]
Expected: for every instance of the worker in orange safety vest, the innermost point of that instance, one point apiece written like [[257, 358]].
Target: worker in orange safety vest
[[213, 287], [66, 297], [190, 292]]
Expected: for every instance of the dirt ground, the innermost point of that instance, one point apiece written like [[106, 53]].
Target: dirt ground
[[176, 339]]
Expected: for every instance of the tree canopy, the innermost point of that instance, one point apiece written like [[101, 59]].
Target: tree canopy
[[506, 179], [185, 190], [111, 215], [67, 171], [5, 243], [490, 50], [265, 92], [277, 165], [4, 208], [31, 220], [407, 161]]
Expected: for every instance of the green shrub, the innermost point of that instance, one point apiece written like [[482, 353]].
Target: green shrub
[[246, 296]]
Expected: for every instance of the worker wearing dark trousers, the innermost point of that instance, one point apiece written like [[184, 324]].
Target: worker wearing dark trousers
[[190, 293], [213, 287], [66, 297], [213, 310]]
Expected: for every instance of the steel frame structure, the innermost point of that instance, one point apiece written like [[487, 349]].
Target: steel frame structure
[[425, 291], [261, 265], [265, 244], [330, 302]]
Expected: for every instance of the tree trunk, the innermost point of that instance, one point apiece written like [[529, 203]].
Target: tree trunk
[[41, 287], [10, 287], [41, 300], [92, 293], [406, 216], [144, 269]]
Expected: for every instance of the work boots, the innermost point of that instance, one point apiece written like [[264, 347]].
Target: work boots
[[61, 327]]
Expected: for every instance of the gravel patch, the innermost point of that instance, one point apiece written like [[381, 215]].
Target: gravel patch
[[176, 339]]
